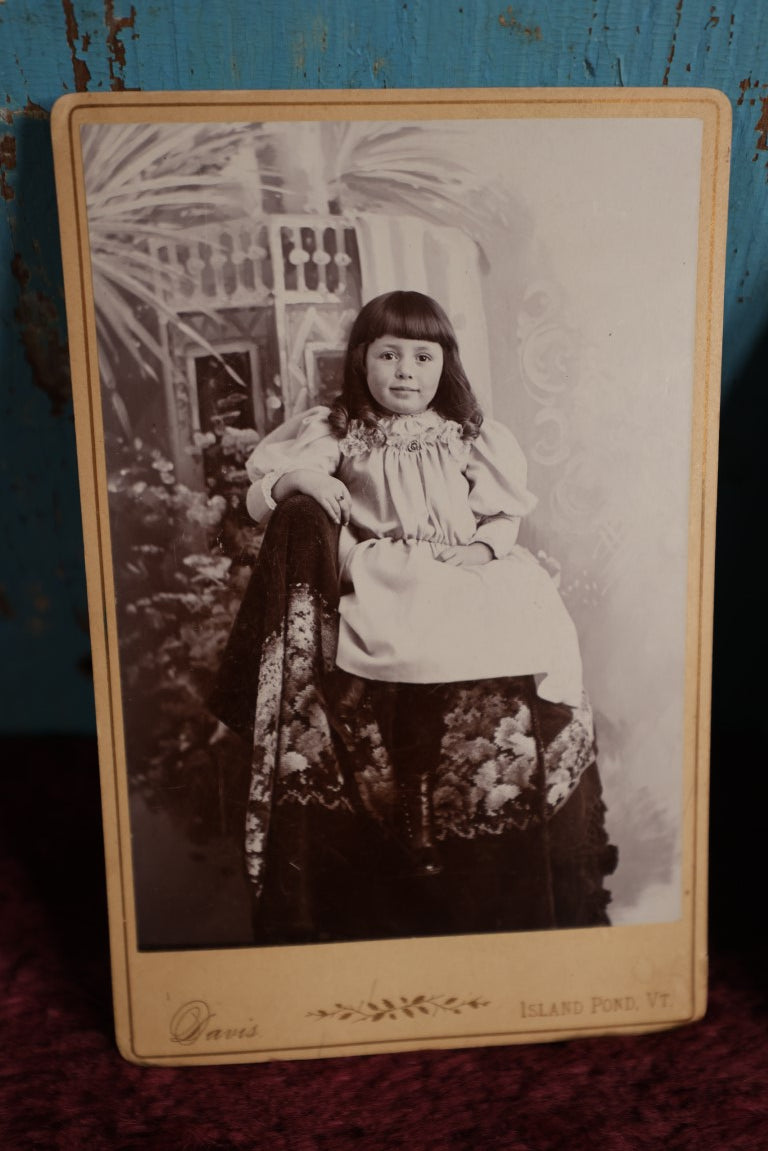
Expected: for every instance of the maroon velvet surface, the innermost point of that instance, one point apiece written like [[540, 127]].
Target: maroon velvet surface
[[63, 1084]]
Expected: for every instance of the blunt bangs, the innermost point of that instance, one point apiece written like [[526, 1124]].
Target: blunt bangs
[[407, 315]]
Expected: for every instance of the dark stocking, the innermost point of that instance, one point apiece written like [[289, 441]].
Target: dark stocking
[[417, 728]]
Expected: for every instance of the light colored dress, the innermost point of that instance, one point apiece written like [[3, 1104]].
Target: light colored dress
[[417, 487]]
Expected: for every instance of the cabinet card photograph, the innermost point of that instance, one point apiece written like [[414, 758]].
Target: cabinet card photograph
[[397, 426]]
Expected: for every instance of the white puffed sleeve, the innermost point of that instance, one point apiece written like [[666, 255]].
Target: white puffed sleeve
[[303, 441], [497, 473]]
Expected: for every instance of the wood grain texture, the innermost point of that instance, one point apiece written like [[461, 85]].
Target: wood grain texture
[[50, 47]]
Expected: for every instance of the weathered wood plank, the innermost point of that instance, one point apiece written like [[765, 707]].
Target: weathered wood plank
[[49, 47]]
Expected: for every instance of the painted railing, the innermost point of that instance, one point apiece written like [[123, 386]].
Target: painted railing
[[291, 258]]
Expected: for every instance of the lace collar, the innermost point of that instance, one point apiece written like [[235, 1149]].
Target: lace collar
[[410, 433]]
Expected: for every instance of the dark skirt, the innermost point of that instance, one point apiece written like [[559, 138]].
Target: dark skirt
[[515, 808]]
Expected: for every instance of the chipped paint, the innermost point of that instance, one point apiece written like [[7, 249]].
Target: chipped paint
[[34, 111], [749, 85], [115, 46], [509, 20], [81, 72], [744, 87], [673, 45], [30, 111], [38, 320], [7, 164], [762, 126], [749, 97]]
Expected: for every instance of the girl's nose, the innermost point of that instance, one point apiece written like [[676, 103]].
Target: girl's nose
[[403, 371]]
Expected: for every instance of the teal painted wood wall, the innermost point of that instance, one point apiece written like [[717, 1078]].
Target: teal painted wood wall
[[50, 47]]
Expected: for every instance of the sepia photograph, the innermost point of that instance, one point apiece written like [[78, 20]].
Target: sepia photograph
[[397, 426], [396, 423]]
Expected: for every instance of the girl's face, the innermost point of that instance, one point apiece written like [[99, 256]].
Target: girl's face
[[403, 375]]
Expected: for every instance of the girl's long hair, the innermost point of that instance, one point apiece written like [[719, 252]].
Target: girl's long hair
[[407, 316]]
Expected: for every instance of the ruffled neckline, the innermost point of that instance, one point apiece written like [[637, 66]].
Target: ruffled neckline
[[410, 433]]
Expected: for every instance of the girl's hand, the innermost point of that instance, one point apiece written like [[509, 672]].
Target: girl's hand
[[466, 555], [330, 493]]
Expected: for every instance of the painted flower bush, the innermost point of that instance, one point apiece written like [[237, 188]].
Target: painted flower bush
[[181, 559]]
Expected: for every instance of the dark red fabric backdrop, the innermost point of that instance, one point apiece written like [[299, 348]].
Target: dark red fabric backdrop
[[64, 1086]]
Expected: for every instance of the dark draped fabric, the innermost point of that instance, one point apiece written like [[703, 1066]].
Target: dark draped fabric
[[515, 796]]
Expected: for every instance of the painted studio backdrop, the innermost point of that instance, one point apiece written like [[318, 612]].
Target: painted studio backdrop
[[228, 262]]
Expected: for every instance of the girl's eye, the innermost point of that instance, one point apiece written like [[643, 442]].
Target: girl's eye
[[424, 358]]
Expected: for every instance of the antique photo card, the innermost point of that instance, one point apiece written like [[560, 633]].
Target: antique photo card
[[397, 428]]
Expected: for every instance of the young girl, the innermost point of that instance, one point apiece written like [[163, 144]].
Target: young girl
[[443, 618]]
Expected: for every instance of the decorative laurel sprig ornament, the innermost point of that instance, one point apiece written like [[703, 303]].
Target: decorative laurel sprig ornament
[[373, 1012]]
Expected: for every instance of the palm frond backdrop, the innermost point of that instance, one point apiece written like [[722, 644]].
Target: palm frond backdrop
[[196, 229]]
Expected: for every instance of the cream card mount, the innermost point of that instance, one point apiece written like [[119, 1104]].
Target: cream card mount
[[316, 844]]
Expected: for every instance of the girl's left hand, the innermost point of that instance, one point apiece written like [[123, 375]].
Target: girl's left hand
[[466, 555]]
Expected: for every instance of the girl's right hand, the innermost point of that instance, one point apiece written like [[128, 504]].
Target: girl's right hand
[[332, 495], [466, 555]]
